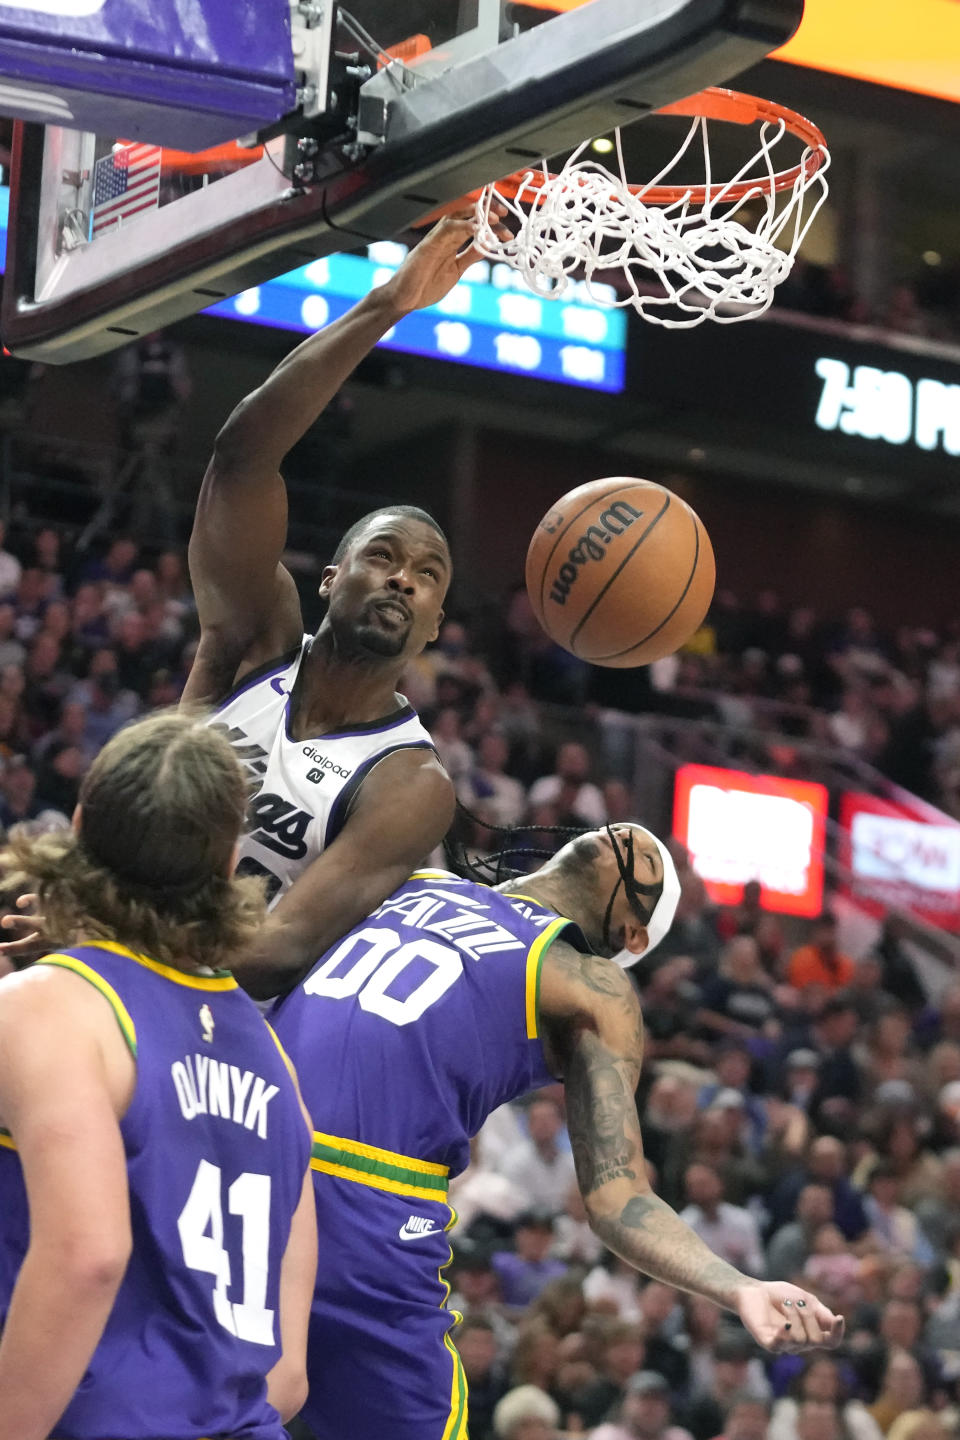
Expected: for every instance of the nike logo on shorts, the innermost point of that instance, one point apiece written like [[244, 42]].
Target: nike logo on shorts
[[417, 1226]]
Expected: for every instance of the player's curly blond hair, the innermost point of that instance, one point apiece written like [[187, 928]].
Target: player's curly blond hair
[[162, 807]]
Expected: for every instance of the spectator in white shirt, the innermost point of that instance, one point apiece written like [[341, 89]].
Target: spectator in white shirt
[[849, 726], [542, 1166], [570, 787], [729, 1230], [575, 1240], [480, 1190], [10, 567], [454, 752], [501, 1131]]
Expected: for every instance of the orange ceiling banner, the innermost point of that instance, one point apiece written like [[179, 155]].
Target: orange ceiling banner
[[910, 44]]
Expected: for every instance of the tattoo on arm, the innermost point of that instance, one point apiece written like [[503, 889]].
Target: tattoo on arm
[[602, 1116], [601, 1066], [648, 1234]]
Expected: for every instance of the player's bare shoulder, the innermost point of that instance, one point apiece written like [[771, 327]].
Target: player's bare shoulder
[[579, 990], [573, 978]]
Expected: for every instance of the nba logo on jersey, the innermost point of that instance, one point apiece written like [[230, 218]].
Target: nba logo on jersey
[[206, 1022]]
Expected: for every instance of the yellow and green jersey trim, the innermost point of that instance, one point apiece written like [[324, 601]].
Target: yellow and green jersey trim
[[380, 1169], [534, 955], [94, 978], [456, 1426], [534, 967], [218, 980]]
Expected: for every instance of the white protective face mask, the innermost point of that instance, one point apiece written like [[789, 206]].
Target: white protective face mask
[[664, 910]]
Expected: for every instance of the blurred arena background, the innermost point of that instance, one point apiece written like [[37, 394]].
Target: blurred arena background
[[802, 1089]]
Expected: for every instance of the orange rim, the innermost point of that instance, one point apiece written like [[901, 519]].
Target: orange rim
[[229, 156], [714, 103]]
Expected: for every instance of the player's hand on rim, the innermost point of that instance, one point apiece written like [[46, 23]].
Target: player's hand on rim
[[440, 261], [786, 1319]]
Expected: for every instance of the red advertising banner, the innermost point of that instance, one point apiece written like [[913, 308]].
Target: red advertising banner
[[900, 854], [740, 827]]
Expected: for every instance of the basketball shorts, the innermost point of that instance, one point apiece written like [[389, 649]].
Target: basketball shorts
[[380, 1358]]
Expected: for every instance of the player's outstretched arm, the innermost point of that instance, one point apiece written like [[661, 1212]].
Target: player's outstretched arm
[[594, 1036], [402, 812], [56, 1100], [246, 600]]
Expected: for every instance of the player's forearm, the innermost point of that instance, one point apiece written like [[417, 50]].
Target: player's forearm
[[648, 1234], [601, 1074], [271, 420], [290, 941], [56, 1318]]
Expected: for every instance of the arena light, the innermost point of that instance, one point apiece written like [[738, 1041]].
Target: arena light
[[740, 827], [902, 854]]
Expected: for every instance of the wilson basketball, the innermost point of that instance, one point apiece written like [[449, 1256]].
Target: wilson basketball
[[620, 572]]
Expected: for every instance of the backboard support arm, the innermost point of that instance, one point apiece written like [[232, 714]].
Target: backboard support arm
[[537, 94]]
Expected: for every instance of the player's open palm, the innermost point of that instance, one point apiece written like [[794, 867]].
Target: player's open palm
[[783, 1317], [434, 266]]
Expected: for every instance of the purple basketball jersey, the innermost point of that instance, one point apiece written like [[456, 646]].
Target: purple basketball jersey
[[411, 1030], [216, 1150], [406, 1035]]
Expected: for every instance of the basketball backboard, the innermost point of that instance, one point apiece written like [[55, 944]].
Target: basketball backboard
[[410, 104]]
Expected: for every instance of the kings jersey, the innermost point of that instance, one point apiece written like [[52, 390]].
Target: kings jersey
[[301, 790]]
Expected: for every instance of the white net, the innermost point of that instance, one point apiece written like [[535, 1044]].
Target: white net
[[706, 254]]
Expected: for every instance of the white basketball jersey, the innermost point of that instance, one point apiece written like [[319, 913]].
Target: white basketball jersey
[[301, 790]]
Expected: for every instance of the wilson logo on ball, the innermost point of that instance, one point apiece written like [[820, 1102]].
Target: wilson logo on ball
[[620, 571], [592, 546]]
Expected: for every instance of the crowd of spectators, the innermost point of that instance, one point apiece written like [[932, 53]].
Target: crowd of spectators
[[801, 1110], [783, 684], [88, 639], [801, 1107], [86, 643]]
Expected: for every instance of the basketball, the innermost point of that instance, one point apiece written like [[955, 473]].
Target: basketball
[[620, 572]]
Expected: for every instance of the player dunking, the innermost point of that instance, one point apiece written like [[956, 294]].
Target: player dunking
[[448, 1001], [156, 1212], [350, 794]]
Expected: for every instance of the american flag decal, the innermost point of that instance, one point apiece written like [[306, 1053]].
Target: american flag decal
[[125, 182]]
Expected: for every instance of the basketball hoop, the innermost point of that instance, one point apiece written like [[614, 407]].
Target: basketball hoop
[[714, 260]]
